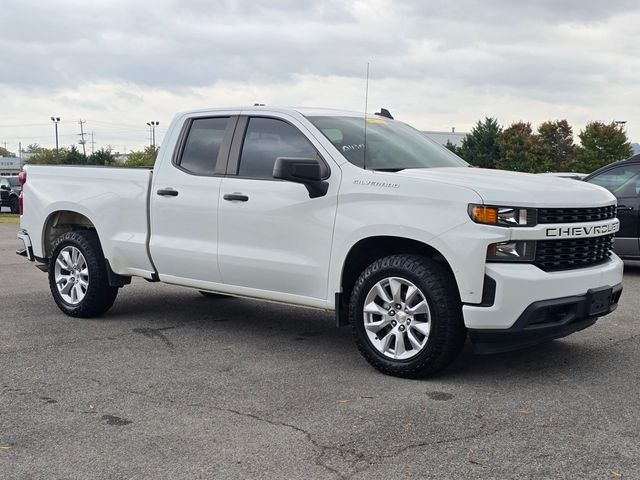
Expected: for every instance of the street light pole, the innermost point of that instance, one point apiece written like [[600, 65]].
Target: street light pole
[[622, 124], [150, 138], [55, 121], [152, 132]]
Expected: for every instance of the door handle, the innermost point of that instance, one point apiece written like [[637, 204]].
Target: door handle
[[623, 208], [167, 192], [235, 197]]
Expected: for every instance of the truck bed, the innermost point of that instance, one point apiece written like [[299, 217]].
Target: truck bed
[[114, 200]]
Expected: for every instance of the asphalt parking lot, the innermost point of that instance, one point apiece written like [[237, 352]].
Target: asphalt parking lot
[[172, 385]]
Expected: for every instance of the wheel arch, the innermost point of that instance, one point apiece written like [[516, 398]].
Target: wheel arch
[[62, 221], [368, 250]]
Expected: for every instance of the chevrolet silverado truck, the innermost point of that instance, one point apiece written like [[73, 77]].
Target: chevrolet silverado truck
[[361, 215]]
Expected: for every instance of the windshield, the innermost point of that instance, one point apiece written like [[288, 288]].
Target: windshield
[[391, 145], [14, 182]]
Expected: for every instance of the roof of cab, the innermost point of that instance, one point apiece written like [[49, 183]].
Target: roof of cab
[[306, 111]]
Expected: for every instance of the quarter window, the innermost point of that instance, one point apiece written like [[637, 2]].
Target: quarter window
[[267, 139], [203, 143]]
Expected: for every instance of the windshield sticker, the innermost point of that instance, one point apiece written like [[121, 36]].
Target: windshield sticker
[[353, 147], [376, 120]]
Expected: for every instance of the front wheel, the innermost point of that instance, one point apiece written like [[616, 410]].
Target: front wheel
[[406, 316], [78, 275]]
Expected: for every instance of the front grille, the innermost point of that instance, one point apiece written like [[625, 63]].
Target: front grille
[[4, 194], [574, 215], [572, 253]]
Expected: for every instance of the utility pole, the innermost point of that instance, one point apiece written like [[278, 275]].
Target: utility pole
[[82, 141], [55, 121], [5, 145], [93, 144], [152, 127], [20, 154]]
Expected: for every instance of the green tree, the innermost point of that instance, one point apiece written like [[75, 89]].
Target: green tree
[[152, 152], [139, 159], [480, 147], [557, 144], [521, 150], [34, 148], [601, 144], [453, 147], [74, 157], [101, 157], [45, 156], [6, 153]]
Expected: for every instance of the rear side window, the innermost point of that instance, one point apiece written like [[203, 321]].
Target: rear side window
[[267, 139], [202, 147]]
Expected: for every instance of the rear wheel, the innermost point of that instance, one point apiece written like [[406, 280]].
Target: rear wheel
[[406, 316], [13, 205], [78, 275]]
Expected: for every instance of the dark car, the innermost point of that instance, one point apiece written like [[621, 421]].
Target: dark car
[[9, 191], [623, 180]]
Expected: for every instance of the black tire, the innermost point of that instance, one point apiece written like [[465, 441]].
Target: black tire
[[212, 295], [100, 295], [447, 333], [13, 205]]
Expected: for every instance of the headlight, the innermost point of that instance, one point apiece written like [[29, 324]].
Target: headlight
[[512, 251], [503, 216]]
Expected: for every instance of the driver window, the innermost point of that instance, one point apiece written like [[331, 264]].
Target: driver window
[[267, 139]]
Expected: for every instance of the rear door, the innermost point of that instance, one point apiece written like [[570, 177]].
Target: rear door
[[184, 202], [273, 236], [624, 182]]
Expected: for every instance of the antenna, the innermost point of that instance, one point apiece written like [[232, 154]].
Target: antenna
[[366, 104]]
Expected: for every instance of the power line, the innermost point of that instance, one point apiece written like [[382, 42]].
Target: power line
[[118, 124]]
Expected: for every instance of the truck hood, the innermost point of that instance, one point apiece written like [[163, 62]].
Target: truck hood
[[501, 187]]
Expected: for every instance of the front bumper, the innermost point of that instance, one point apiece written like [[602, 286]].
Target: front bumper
[[520, 285], [548, 319]]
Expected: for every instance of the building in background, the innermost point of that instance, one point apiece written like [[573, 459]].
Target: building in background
[[442, 138], [10, 166], [120, 157]]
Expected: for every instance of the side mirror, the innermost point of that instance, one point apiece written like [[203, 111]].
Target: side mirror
[[4, 187], [307, 171]]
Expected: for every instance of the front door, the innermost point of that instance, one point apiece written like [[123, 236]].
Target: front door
[[273, 236]]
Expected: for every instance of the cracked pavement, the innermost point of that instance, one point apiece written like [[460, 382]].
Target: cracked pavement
[[172, 385]]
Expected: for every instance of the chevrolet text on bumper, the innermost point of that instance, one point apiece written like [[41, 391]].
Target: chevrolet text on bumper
[[408, 245]]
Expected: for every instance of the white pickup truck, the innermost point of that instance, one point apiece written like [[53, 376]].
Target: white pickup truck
[[361, 215]]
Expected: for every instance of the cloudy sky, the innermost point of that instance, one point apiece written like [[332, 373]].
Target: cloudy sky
[[435, 64]]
